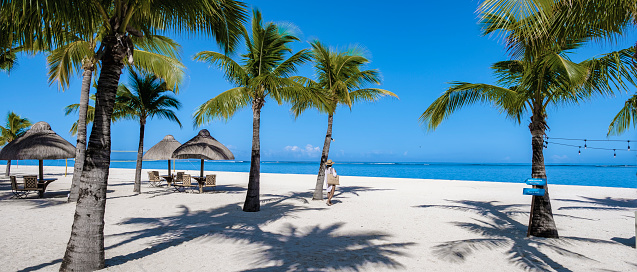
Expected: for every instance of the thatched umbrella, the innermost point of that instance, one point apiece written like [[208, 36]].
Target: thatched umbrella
[[38, 143], [163, 150], [204, 147]]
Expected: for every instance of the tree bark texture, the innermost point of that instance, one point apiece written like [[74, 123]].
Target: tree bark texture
[[85, 250], [140, 152], [252, 203], [80, 148], [8, 170], [541, 222], [320, 179]]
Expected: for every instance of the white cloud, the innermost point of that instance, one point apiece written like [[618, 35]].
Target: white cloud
[[309, 150]]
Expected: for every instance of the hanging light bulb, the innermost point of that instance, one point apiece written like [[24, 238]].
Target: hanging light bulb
[[628, 145], [614, 153], [584, 143], [579, 151]]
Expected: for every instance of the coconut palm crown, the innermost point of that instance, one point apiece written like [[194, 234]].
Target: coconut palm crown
[[531, 84], [340, 81], [263, 72], [150, 97]]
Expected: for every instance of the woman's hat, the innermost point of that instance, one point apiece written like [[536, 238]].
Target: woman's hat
[[329, 162]]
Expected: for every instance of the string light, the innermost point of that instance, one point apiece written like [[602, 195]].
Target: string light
[[614, 153], [579, 151], [628, 145], [584, 143]]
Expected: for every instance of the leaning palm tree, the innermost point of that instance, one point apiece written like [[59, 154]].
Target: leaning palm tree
[[15, 127], [531, 84], [263, 73], [626, 117], [340, 81], [154, 53], [46, 19], [147, 99]]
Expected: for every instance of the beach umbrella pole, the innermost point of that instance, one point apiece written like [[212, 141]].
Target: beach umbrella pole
[[201, 174], [41, 164], [169, 167]]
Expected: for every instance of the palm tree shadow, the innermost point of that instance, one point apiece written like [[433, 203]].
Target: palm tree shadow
[[500, 230], [292, 249], [316, 248], [607, 203]]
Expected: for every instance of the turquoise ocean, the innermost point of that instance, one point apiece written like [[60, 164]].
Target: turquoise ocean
[[587, 175]]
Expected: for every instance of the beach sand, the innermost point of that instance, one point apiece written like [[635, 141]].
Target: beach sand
[[376, 224]]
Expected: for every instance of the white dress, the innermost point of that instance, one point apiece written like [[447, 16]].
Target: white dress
[[329, 171]]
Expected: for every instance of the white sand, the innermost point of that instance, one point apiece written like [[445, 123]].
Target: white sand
[[376, 224]]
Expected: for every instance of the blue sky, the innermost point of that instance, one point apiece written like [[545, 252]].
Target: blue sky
[[418, 47]]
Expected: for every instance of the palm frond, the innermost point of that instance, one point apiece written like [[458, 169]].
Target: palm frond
[[67, 60], [626, 116], [233, 72], [461, 94], [167, 68], [223, 106]]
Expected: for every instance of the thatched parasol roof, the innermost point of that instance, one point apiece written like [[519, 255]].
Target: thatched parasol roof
[[162, 150], [38, 143], [203, 146]]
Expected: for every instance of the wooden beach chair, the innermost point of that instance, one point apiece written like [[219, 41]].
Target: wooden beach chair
[[186, 182], [30, 185], [154, 179], [211, 181], [17, 190]]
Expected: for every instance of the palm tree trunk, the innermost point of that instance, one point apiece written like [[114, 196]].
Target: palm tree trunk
[[8, 170], [252, 203], [320, 179], [140, 153], [80, 148], [85, 250], [541, 223]]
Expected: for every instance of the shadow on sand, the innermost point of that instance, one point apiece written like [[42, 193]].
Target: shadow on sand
[[289, 249], [607, 203], [500, 230]]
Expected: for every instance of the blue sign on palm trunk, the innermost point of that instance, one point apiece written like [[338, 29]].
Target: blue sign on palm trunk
[[536, 181], [533, 191]]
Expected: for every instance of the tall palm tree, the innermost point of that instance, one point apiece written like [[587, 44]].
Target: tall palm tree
[[147, 99], [46, 19], [532, 83], [625, 117], [341, 81], [15, 127], [263, 73], [154, 53]]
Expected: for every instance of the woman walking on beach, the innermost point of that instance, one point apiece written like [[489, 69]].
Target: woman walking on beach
[[329, 170]]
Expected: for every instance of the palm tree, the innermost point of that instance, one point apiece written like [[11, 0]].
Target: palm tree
[[532, 83], [341, 81], [15, 127], [45, 20], [263, 73], [626, 116], [146, 100], [152, 53]]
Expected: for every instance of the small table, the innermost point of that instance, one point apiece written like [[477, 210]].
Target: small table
[[201, 181], [43, 183], [168, 178]]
